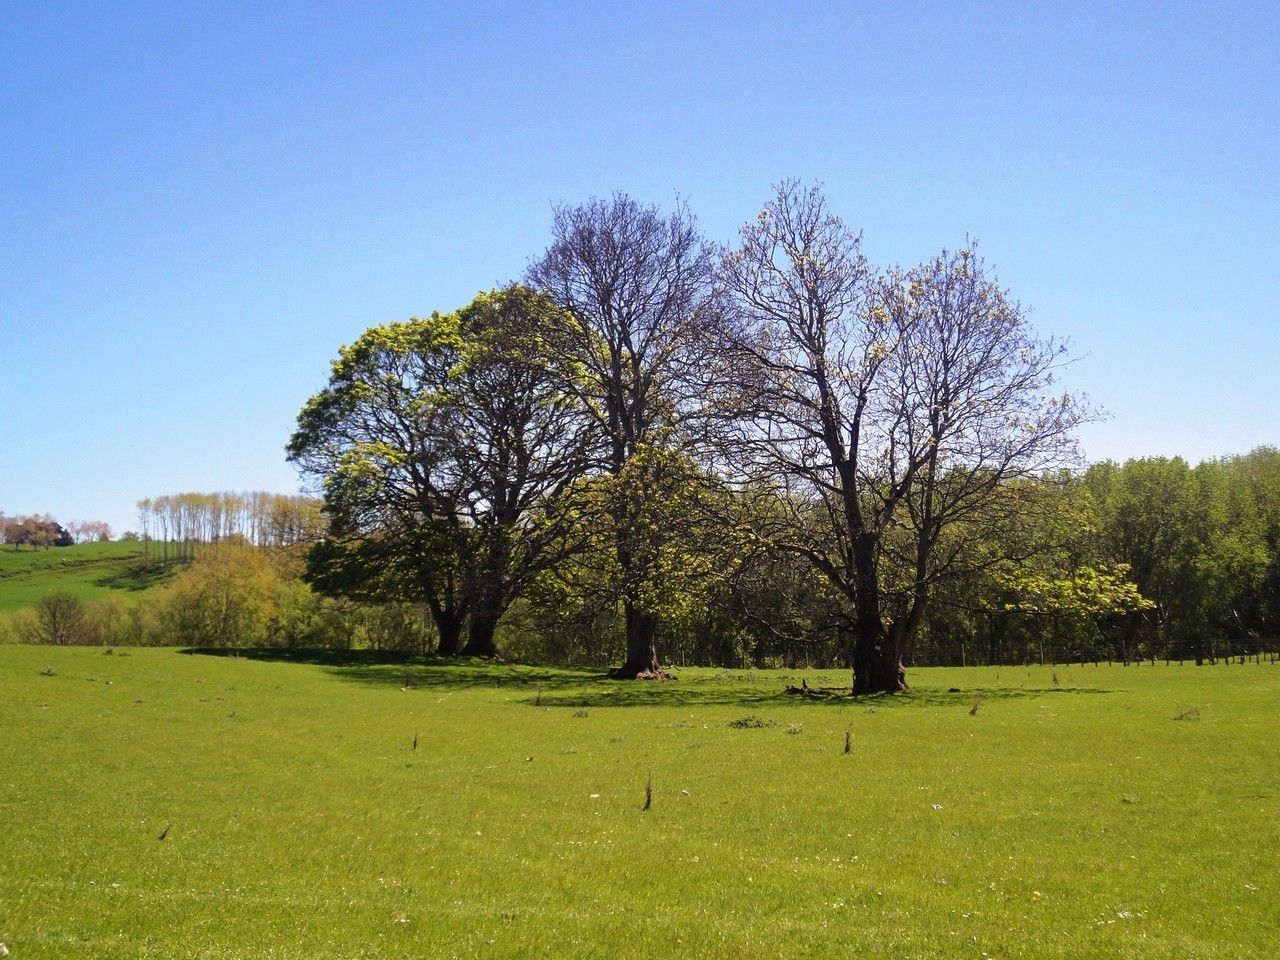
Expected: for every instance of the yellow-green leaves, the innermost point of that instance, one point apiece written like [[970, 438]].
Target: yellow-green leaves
[[1105, 588]]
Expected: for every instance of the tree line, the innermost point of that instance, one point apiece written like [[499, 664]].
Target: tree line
[[649, 431], [1152, 559], [177, 523], [230, 594]]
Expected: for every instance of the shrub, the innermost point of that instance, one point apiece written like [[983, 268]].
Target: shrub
[[225, 598], [61, 620]]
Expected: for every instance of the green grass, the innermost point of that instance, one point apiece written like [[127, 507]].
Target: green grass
[[1073, 821], [90, 571]]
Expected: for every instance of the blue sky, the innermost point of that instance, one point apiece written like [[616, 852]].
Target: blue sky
[[200, 202]]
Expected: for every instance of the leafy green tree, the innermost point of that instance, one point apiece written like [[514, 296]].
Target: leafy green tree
[[371, 439], [1256, 504], [518, 439], [444, 446], [226, 597]]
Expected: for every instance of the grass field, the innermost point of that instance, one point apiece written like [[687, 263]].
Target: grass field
[[298, 819], [90, 571]]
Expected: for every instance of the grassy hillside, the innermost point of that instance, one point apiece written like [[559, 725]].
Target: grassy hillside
[[90, 571], [165, 805]]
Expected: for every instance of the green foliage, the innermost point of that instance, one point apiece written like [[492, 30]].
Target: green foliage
[[225, 598], [232, 595], [1150, 558], [1088, 592], [1201, 543], [660, 504], [444, 447]]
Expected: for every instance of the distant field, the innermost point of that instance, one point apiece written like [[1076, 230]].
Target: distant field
[[1068, 819], [90, 571]]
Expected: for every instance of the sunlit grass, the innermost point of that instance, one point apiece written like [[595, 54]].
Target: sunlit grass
[[89, 571], [1079, 820]]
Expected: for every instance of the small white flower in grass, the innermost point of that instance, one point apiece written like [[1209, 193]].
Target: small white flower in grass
[[937, 806]]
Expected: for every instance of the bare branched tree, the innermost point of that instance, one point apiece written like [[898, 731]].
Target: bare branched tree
[[638, 291], [885, 413]]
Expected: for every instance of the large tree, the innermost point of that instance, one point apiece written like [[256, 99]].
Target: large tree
[[639, 303], [370, 439], [518, 442], [444, 446], [884, 412]]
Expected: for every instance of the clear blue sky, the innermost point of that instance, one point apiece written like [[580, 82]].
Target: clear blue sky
[[200, 202]]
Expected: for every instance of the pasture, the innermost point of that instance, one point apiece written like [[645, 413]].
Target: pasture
[[162, 804], [89, 571]]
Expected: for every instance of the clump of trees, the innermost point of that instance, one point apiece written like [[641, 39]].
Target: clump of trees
[[649, 428], [1203, 543], [34, 531], [42, 530], [770, 453]]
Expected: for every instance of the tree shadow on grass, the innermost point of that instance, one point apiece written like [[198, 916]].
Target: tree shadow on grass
[[401, 669], [542, 686], [767, 693], [966, 697], [139, 577], [579, 688]]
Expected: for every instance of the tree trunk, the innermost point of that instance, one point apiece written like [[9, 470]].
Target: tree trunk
[[877, 663], [641, 628], [480, 637], [489, 601], [642, 655], [450, 629]]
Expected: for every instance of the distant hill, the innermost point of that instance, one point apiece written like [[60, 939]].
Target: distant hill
[[89, 571]]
